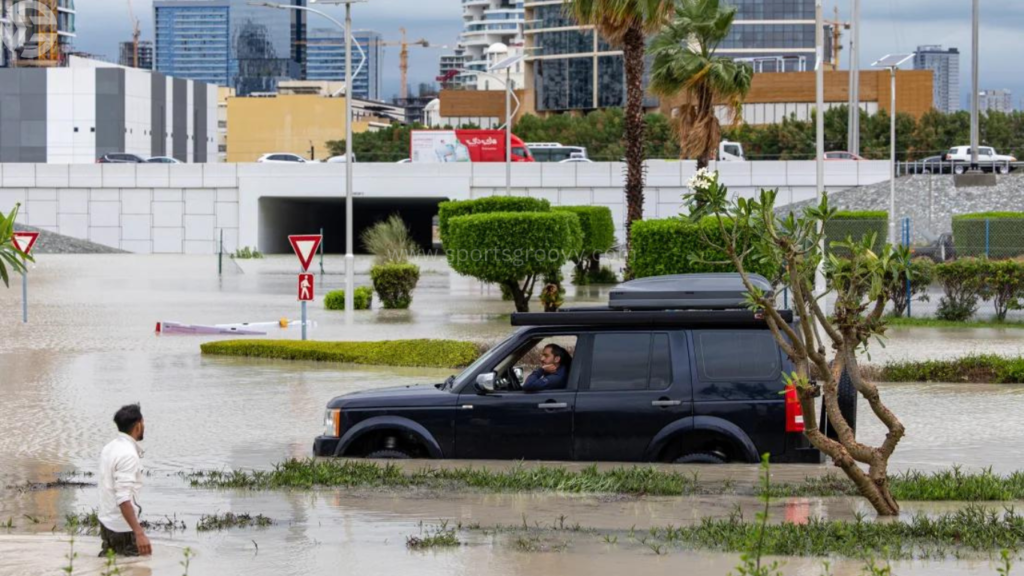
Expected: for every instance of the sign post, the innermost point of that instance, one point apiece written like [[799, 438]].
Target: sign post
[[305, 247], [24, 241]]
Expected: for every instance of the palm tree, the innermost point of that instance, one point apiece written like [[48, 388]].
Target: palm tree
[[9, 253], [628, 23], [685, 62]]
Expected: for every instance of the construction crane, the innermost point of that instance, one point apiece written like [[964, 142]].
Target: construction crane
[[136, 33], [403, 58], [837, 27]]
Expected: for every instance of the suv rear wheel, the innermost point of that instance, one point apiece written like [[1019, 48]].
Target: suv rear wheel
[[388, 455], [700, 458]]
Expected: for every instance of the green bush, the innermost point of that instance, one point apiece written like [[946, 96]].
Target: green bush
[[512, 248], [394, 284], [857, 225], [602, 275], [1005, 234], [363, 299], [448, 210], [670, 246], [963, 282], [389, 241], [246, 253], [1003, 284], [415, 353], [922, 274]]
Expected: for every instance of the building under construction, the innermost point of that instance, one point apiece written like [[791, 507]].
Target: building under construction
[[37, 34]]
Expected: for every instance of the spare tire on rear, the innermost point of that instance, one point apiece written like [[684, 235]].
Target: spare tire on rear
[[847, 406]]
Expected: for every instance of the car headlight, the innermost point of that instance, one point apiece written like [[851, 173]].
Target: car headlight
[[332, 423]]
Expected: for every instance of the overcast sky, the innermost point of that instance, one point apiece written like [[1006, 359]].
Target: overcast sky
[[888, 26]]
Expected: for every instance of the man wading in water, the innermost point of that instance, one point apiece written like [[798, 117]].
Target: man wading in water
[[120, 482]]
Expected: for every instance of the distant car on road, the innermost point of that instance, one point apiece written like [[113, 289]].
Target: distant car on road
[[576, 161], [340, 159], [988, 160], [281, 158], [839, 155], [940, 250], [930, 165], [120, 158], [163, 160]]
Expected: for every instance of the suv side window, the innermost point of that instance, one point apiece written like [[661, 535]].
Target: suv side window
[[630, 361], [736, 355]]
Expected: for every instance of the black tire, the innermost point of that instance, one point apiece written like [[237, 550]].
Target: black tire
[[699, 458], [1004, 169], [388, 455], [847, 405], [959, 169]]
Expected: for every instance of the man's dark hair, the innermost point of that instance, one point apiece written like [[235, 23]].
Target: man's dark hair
[[127, 417], [564, 359]]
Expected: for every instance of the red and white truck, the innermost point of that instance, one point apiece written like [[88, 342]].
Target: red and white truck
[[444, 146]]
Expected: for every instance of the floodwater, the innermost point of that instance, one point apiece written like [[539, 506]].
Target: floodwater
[[90, 347]]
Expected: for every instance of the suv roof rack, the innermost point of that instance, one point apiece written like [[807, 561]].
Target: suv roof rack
[[686, 292], [649, 319]]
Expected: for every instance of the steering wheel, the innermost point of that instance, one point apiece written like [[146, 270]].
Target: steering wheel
[[514, 383]]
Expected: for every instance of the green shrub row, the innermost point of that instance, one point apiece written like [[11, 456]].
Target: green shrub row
[[966, 281], [675, 246], [994, 235], [448, 210], [414, 353], [856, 226], [597, 225], [984, 368], [394, 284], [363, 299]]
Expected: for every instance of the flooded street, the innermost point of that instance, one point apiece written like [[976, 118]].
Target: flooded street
[[90, 347]]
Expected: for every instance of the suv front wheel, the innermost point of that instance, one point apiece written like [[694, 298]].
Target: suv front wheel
[[700, 458]]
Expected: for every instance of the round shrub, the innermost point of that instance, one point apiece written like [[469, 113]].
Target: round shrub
[[962, 281], [448, 210], [394, 284], [363, 299], [598, 237]]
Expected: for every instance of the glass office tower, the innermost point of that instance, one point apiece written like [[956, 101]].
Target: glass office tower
[[325, 60], [230, 43]]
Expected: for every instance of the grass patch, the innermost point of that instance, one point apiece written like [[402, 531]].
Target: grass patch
[[904, 322], [950, 485], [218, 522], [439, 537], [413, 353], [984, 368], [924, 537]]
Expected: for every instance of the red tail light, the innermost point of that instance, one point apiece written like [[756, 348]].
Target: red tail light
[[794, 413]]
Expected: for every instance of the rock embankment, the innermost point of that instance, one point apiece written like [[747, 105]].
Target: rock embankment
[[53, 243]]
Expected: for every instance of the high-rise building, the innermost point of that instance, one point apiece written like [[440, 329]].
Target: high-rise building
[[995, 101], [127, 56], [945, 65], [571, 67], [450, 66], [50, 23], [485, 23], [325, 60], [230, 43]]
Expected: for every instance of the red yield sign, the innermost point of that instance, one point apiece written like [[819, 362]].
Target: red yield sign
[[305, 247], [305, 287], [24, 241]]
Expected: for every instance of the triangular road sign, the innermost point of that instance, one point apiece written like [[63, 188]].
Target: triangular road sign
[[24, 241], [305, 246]]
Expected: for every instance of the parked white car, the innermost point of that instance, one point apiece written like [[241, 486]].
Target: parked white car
[[282, 158], [988, 159], [340, 159]]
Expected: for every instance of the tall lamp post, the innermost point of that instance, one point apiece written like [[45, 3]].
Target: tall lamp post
[[975, 140], [892, 62], [819, 75], [505, 65], [350, 259]]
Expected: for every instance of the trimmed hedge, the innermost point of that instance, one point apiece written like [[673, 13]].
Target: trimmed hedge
[[1005, 234], [857, 225], [448, 210], [363, 299], [414, 353], [597, 225], [394, 284], [985, 368], [509, 246], [664, 246]]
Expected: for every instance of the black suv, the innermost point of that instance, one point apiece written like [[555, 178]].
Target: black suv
[[673, 370]]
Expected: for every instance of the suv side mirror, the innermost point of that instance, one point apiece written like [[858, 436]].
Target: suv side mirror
[[485, 383]]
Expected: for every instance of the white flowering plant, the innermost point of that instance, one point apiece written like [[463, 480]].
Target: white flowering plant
[[702, 181]]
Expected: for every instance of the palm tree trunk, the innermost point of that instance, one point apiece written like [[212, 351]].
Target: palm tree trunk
[[705, 110], [634, 48]]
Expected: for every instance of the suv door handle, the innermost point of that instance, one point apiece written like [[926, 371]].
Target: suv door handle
[[553, 405], [666, 403]]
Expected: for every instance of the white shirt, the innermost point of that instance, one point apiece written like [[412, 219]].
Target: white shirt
[[120, 480]]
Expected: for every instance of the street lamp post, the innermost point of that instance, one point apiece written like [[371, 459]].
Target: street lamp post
[[506, 65], [350, 259], [819, 75], [892, 62], [975, 139]]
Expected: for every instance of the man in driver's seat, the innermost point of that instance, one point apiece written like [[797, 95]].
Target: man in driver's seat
[[553, 373]]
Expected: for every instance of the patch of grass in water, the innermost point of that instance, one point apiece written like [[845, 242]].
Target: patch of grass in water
[[439, 537], [211, 522], [904, 322]]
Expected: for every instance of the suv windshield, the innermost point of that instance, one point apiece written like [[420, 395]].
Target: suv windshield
[[460, 380]]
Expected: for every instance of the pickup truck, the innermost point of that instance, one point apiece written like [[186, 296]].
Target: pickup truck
[[988, 159]]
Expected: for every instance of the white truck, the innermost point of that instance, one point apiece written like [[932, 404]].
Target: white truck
[[988, 160]]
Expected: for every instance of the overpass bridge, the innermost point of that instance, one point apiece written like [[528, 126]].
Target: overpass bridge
[[181, 208]]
